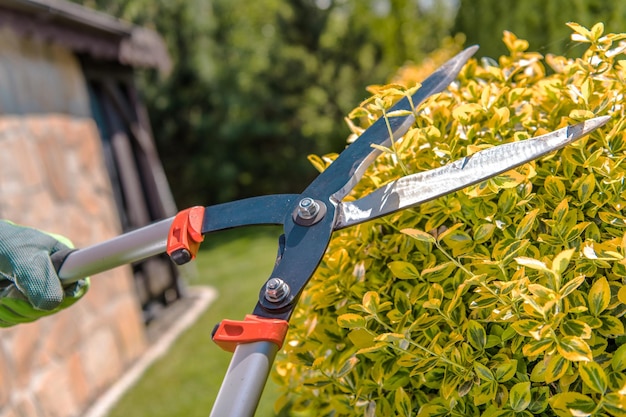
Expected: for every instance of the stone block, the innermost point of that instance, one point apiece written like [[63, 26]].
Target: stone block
[[130, 332], [53, 391], [24, 347], [100, 358]]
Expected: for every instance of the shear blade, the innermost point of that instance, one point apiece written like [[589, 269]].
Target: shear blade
[[416, 189], [343, 174]]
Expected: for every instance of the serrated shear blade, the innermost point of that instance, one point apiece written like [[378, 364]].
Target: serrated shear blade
[[418, 188]]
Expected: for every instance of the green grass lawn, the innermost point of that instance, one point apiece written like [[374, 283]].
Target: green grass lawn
[[186, 381]]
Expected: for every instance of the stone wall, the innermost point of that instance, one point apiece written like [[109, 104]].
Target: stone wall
[[52, 177]]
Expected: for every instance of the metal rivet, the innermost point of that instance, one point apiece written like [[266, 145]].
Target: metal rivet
[[276, 290], [308, 208]]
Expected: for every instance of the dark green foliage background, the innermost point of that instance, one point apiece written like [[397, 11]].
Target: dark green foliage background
[[540, 22], [257, 86]]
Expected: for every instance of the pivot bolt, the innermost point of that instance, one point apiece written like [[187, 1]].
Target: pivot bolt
[[307, 208], [276, 290]]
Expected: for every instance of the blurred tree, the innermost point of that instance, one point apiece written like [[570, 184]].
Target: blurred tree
[[541, 22], [257, 86]]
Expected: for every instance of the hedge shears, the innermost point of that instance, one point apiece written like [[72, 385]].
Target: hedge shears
[[309, 220]]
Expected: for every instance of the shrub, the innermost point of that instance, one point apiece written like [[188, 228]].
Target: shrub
[[504, 299]]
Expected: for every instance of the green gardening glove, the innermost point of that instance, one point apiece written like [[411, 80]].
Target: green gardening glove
[[29, 285]]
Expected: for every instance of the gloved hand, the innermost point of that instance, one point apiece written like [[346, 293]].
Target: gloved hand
[[29, 285]]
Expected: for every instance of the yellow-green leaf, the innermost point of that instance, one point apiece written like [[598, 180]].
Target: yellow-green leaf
[[476, 334], [561, 211], [599, 296], [584, 35], [571, 285], [596, 31], [555, 187], [351, 321], [535, 347], [439, 272], [526, 327], [562, 260], [621, 295], [465, 113], [483, 372], [532, 263], [371, 301], [483, 232], [556, 367], [618, 361], [402, 403], [526, 224], [459, 241], [611, 326], [586, 188], [419, 235], [572, 404], [505, 371], [346, 367], [403, 270], [519, 396], [576, 328], [574, 349], [593, 376]]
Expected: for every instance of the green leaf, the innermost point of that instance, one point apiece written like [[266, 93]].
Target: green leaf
[[346, 367], [554, 186], [433, 410], [351, 321], [484, 301], [483, 372], [459, 241], [586, 188], [483, 232], [615, 404], [556, 367], [402, 403], [572, 404], [519, 396], [439, 272], [536, 347], [593, 376], [561, 261], [574, 349], [505, 371], [611, 326], [571, 285], [371, 302], [390, 337], [532, 263], [539, 402], [476, 335], [450, 384], [526, 224], [599, 296], [419, 235], [403, 270], [424, 365], [526, 327], [576, 328], [561, 211], [361, 338], [618, 361]]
